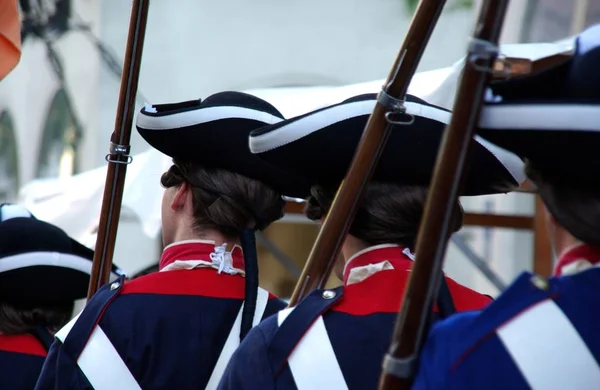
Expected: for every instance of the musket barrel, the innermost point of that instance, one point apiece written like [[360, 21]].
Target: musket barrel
[[425, 278], [119, 155], [343, 209]]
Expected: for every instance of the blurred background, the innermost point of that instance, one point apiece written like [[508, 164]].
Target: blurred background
[[57, 109]]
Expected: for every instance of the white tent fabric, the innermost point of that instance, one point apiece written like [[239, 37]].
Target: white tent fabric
[[74, 203], [295, 101]]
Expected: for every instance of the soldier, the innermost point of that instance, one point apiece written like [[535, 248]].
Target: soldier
[[540, 334], [177, 328], [336, 339], [42, 272]]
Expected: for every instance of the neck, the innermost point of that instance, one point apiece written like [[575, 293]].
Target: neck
[[564, 242], [577, 258], [567, 247], [206, 235], [352, 245]]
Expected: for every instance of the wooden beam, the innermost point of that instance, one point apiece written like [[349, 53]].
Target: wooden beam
[[471, 219], [499, 221], [542, 253], [294, 208]]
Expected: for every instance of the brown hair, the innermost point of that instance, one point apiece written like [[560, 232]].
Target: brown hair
[[389, 213], [226, 201], [574, 205], [19, 319]]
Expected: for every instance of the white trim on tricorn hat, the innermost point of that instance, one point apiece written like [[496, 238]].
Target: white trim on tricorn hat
[[40, 263], [541, 117], [201, 116], [334, 132], [214, 133], [9, 211], [293, 130], [551, 118], [52, 259]]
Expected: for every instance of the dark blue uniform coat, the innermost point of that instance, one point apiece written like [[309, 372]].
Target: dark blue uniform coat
[[540, 334], [21, 360], [334, 339], [168, 328]]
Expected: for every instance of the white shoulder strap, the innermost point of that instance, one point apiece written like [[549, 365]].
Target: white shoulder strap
[[552, 356], [313, 362], [64, 331], [233, 340], [100, 362]]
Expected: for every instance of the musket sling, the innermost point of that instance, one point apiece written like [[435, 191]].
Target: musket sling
[[112, 373], [233, 340], [306, 345]]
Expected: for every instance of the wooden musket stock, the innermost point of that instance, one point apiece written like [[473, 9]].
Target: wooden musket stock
[[446, 184], [523, 66], [119, 157], [337, 223]]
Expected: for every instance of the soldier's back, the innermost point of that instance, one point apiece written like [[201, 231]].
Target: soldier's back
[[539, 334]]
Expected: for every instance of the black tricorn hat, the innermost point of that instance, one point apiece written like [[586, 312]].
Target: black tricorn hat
[[214, 132], [552, 118], [39, 263], [320, 146]]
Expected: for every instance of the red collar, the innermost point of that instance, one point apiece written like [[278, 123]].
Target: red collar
[[196, 250], [395, 254], [585, 252], [22, 343], [383, 291]]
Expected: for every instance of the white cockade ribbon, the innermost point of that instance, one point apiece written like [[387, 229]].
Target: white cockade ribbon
[[222, 259]]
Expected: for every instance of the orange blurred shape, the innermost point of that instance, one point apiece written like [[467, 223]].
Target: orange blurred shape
[[10, 36]]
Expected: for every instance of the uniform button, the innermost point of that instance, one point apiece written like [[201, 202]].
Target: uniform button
[[328, 294], [539, 282], [115, 286]]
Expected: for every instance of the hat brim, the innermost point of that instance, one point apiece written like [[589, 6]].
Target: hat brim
[[552, 119], [320, 146], [216, 137], [558, 137], [46, 277], [41, 264]]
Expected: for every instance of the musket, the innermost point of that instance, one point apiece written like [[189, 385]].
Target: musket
[[388, 111], [400, 363], [119, 153], [523, 66]]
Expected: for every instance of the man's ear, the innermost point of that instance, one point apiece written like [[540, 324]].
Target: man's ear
[[180, 197]]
